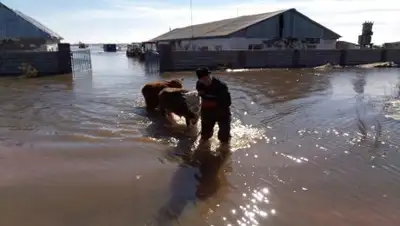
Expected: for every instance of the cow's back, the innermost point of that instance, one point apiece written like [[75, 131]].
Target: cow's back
[[151, 90]]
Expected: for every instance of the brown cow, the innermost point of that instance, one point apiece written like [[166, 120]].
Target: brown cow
[[181, 102], [151, 90]]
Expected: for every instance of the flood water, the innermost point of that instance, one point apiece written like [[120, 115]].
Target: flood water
[[308, 148]]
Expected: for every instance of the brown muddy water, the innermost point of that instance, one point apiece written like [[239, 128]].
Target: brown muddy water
[[309, 148]]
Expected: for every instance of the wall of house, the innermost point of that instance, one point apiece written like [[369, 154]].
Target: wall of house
[[295, 25], [305, 28], [346, 45], [13, 26], [220, 44], [189, 60], [11, 62], [394, 45], [23, 44], [267, 29]]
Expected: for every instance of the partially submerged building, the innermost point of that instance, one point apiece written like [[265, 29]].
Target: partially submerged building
[[21, 32], [282, 29]]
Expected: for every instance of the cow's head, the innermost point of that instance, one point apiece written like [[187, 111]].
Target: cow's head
[[175, 83], [193, 102]]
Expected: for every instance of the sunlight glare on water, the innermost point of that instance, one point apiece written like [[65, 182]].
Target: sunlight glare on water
[[243, 136], [254, 208]]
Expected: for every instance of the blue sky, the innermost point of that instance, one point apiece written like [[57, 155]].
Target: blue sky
[[132, 20]]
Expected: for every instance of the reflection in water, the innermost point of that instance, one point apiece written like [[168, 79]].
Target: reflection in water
[[358, 86], [279, 86], [392, 107], [198, 178], [359, 83]]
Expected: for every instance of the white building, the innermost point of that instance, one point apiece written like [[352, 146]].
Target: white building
[[21, 32], [284, 29]]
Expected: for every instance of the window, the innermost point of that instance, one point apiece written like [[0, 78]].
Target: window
[[256, 46], [203, 48], [312, 40], [218, 47]]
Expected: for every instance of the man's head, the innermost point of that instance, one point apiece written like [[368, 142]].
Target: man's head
[[203, 74]]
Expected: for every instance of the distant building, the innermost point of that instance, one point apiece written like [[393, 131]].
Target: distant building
[[391, 45], [346, 45], [19, 31], [284, 29]]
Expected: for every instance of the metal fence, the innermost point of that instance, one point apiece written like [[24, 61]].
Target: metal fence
[[152, 62], [81, 60]]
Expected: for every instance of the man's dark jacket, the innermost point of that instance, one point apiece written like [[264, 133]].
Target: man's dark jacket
[[217, 91]]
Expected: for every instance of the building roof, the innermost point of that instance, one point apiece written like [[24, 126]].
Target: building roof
[[221, 28], [46, 31]]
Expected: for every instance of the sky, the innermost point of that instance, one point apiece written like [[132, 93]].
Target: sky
[[125, 21]]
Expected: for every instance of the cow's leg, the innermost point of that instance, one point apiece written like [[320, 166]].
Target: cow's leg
[[170, 118], [188, 122], [151, 103], [191, 120]]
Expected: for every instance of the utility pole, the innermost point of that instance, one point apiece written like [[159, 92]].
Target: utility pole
[[191, 18]]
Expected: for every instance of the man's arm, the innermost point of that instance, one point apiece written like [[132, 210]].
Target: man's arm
[[225, 95], [200, 89]]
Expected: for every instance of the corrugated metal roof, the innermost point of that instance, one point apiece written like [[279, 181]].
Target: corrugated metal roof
[[37, 24], [216, 28]]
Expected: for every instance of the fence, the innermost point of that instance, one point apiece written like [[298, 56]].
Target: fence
[[189, 60], [63, 61], [81, 60], [16, 62], [152, 62]]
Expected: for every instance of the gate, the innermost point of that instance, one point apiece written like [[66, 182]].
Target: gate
[[81, 60]]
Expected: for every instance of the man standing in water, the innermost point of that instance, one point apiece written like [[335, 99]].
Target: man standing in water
[[215, 107]]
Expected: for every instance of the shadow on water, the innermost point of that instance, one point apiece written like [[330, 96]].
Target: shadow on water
[[200, 173], [197, 179], [178, 136]]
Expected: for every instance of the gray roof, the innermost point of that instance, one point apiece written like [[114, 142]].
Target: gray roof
[[46, 31], [220, 28]]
